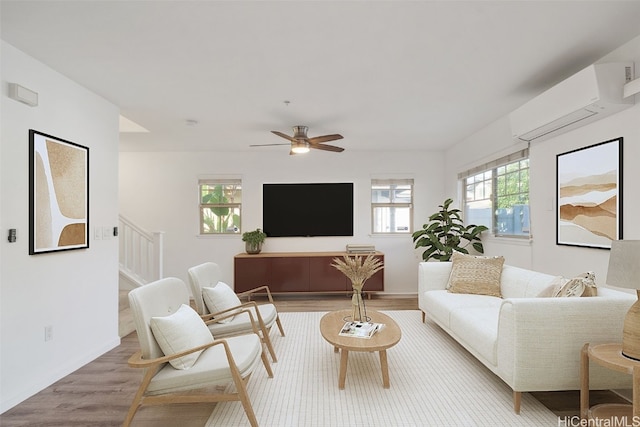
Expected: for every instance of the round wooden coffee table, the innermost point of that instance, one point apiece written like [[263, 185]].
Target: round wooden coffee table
[[330, 326]]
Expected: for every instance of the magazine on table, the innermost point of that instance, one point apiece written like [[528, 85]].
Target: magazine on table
[[360, 329]]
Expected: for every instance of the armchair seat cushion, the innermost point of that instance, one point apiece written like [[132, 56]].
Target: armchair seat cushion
[[241, 322], [211, 367]]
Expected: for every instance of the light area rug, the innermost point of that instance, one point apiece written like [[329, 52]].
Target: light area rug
[[434, 382]]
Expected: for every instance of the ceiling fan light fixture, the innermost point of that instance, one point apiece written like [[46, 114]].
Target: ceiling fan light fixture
[[300, 147], [300, 132]]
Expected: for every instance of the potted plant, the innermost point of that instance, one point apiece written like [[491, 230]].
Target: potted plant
[[445, 233], [253, 240]]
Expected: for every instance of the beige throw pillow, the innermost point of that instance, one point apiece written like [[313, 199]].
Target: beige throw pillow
[[180, 331], [583, 285], [556, 284], [475, 274]]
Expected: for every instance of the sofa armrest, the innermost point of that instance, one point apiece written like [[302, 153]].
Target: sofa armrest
[[432, 276], [539, 340]]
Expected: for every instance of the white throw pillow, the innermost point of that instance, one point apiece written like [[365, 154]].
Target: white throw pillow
[[181, 331], [221, 297]]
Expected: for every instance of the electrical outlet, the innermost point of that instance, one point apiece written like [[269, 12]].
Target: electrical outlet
[[48, 333]]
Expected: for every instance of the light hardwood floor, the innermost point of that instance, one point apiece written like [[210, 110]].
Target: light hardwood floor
[[99, 394]]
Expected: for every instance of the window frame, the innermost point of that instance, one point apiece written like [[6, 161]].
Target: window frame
[[493, 167], [374, 205], [212, 182]]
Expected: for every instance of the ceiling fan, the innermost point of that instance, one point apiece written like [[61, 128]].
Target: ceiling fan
[[301, 143]]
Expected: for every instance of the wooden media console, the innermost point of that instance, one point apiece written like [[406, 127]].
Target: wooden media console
[[298, 272]]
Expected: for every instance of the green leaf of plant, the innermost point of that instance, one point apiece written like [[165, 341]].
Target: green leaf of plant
[[478, 247]]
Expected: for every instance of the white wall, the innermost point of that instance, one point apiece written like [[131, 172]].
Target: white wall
[[75, 292], [542, 253], [158, 191]]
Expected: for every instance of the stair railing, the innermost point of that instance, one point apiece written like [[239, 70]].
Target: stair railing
[[141, 252]]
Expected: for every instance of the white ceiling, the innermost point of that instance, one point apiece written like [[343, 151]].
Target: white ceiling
[[397, 74]]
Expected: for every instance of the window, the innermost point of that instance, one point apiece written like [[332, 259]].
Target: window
[[496, 194], [220, 203], [391, 206]]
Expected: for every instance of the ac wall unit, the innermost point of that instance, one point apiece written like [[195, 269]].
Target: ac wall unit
[[589, 95]]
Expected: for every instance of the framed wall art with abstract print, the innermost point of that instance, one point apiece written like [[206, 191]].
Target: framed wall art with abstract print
[[58, 194], [589, 195]]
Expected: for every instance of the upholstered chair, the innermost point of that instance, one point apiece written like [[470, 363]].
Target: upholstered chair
[[181, 361], [214, 298]]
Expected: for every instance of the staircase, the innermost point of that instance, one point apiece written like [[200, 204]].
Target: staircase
[[140, 259], [140, 254]]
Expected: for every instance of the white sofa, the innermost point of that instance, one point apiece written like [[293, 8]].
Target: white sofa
[[531, 343]]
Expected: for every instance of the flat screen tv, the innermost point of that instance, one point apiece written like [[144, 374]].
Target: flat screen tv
[[306, 210]]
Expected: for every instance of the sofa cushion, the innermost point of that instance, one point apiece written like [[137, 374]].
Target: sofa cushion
[[219, 298], [180, 331], [440, 304], [475, 274], [518, 282], [477, 328]]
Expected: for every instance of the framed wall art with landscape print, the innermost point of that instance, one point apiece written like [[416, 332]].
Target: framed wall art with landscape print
[[58, 194], [589, 195]]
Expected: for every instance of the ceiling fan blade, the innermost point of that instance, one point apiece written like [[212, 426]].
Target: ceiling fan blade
[[282, 135], [324, 138], [327, 147], [268, 145]]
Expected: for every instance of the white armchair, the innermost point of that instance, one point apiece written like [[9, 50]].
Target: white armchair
[[178, 354], [213, 299]]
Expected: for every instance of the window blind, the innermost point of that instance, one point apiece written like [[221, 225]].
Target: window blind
[[518, 155]]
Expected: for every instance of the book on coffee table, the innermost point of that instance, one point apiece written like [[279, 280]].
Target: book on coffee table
[[360, 329]]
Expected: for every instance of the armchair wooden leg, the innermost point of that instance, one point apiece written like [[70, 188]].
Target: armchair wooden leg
[[244, 399], [137, 399], [517, 399], [266, 364], [267, 341], [423, 316], [132, 412], [280, 326]]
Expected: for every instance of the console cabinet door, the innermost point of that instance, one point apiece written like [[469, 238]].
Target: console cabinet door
[[250, 273], [290, 274], [325, 278]]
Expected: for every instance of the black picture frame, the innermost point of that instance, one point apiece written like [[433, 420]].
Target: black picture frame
[[589, 195], [58, 194]]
